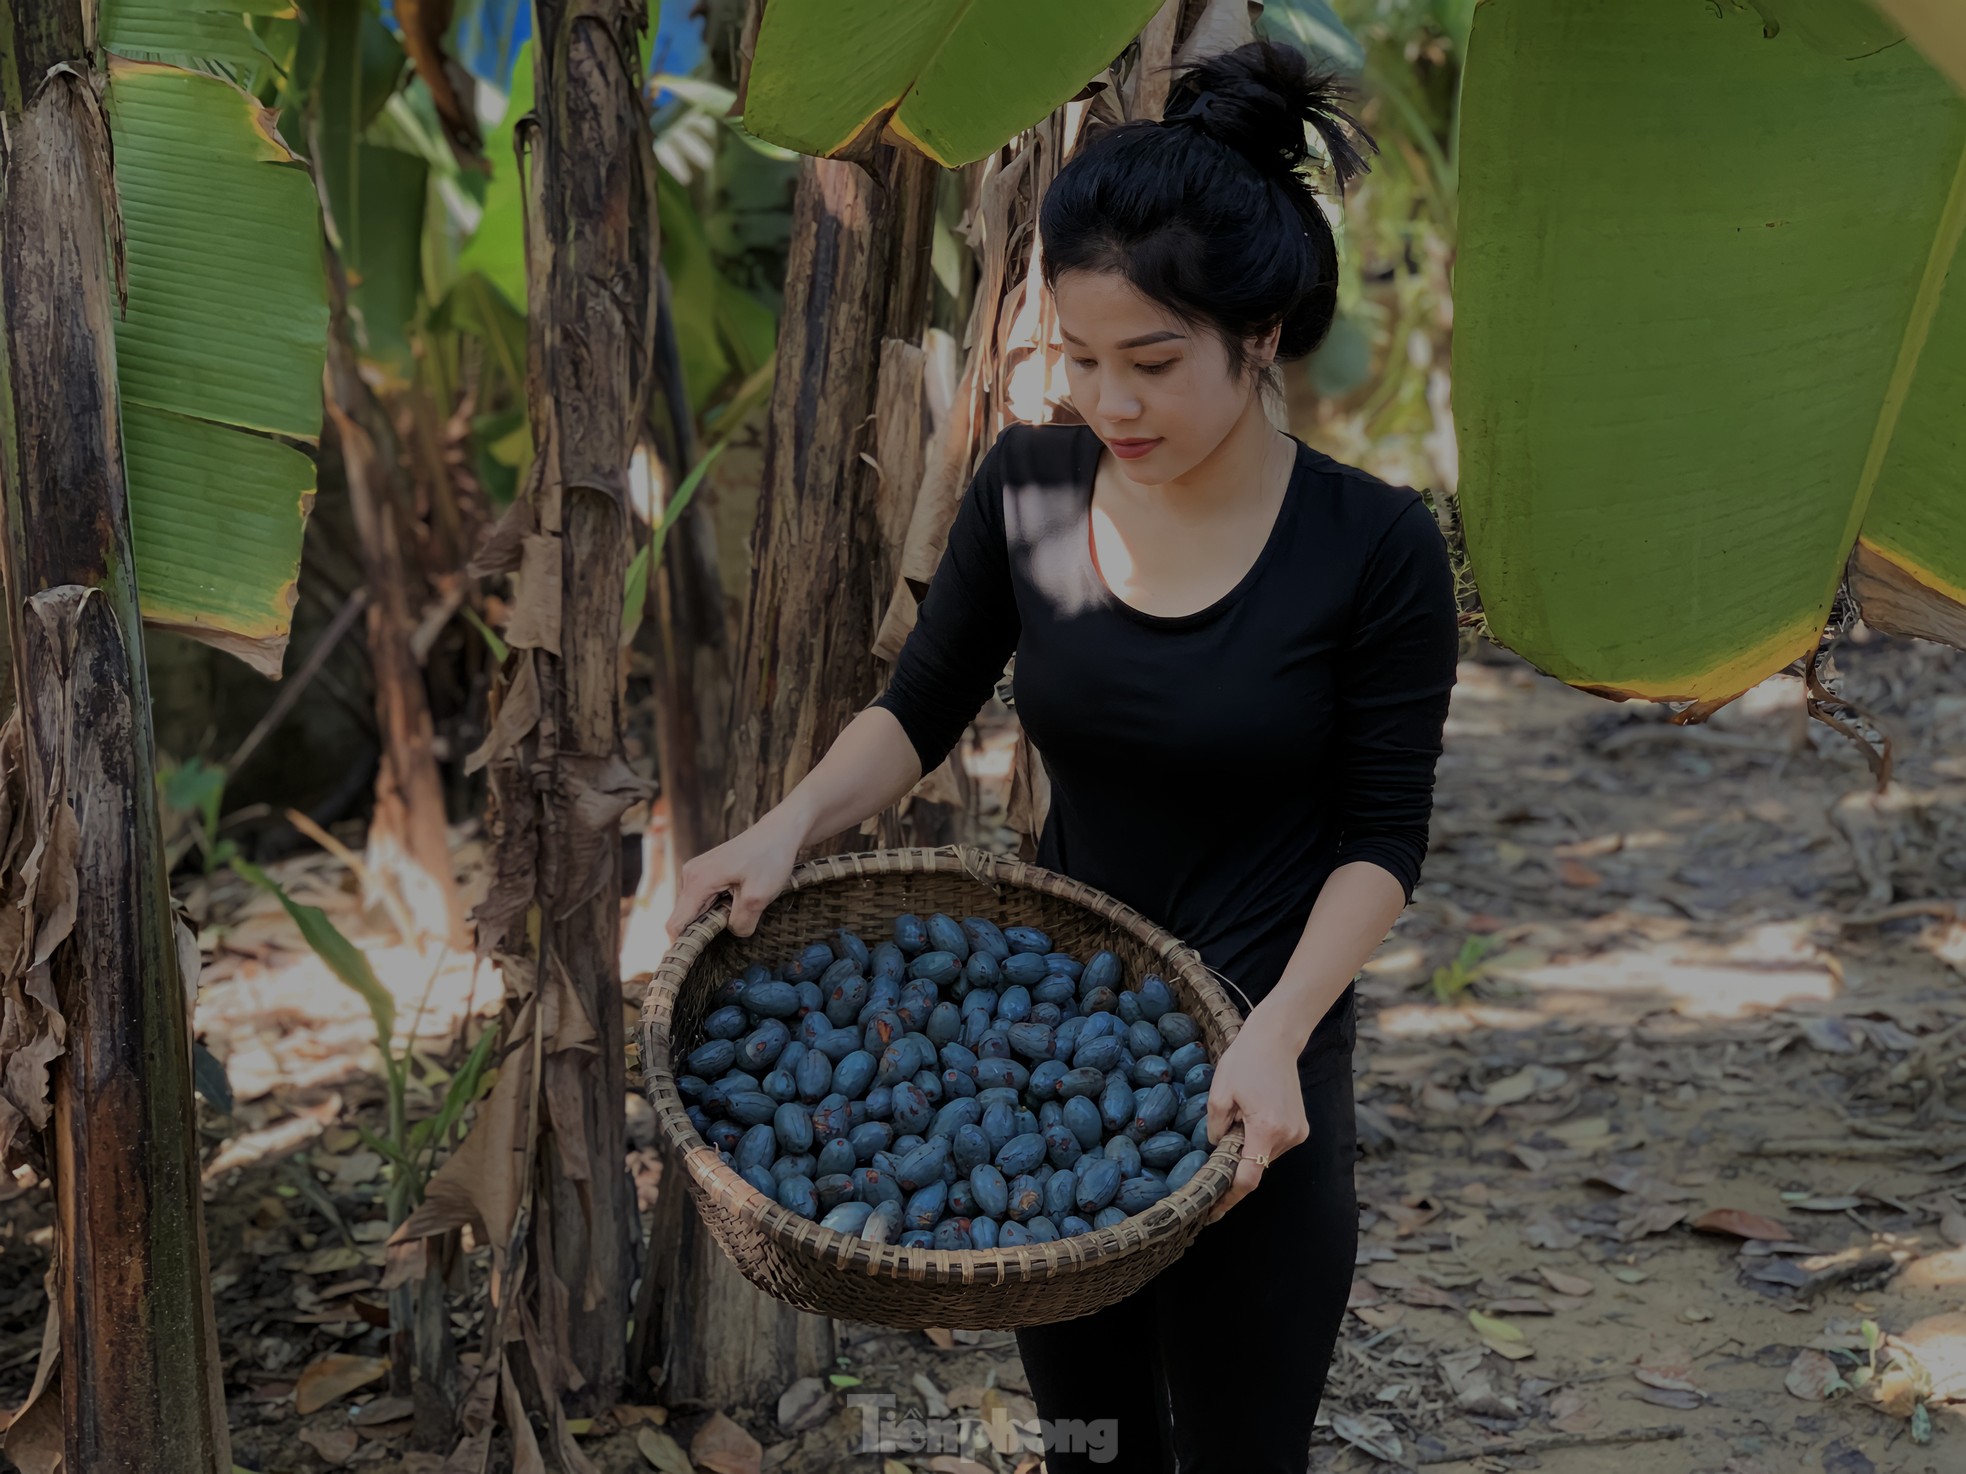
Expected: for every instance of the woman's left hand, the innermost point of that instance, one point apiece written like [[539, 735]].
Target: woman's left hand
[[1256, 1083]]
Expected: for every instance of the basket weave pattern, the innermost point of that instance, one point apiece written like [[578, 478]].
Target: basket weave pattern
[[829, 1273]]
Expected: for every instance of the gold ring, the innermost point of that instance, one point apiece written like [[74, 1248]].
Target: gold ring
[[1261, 1159]]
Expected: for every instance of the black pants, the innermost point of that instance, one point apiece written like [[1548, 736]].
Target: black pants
[[1216, 1365]]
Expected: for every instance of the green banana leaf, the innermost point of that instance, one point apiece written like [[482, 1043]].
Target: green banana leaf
[[219, 355], [955, 78], [1705, 349]]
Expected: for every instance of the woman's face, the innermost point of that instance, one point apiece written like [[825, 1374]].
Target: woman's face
[[1158, 391]]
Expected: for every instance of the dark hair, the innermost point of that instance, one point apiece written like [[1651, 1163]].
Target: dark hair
[[1206, 211]]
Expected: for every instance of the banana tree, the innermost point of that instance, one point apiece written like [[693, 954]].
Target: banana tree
[[1709, 363], [160, 361]]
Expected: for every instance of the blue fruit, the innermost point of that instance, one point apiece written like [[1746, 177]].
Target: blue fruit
[[793, 1125], [1102, 970], [1185, 1168], [845, 999], [1032, 1041], [1121, 1151], [1026, 939], [999, 1124], [945, 1023], [1152, 1070], [925, 1206], [950, 1233], [983, 1233], [912, 1111], [1098, 1000], [1198, 1080], [848, 1217], [771, 1000], [1117, 1104], [984, 936], [1127, 1010], [758, 1147], [883, 1224], [814, 1077], [910, 935], [886, 968], [781, 1085], [1014, 1004], [1101, 1053], [1065, 963], [1056, 991], [916, 1238], [1020, 1154], [1061, 1146], [833, 1189], [1043, 1230], [1043, 1085], [799, 1196], [830, 1118], [879, 1102], [864, 1140], [969, 1148], [762, 1180], [1060, 1194], [980, 972], [723, 1135], [939, 967], [1026, 1198], [945, 935], [924, 1164], [1137, 1194], [1155, 998], [872, 1185], [711, 1058], [726, 1023], [1178, 1029], [1153, 1110], [991, 1191], [964, 1111], [837, 1157], [750, 1107], [1083, 1082], [1024, 969], [1007, 1072], [847, 944], [1164, 1148], [1096, 1183]]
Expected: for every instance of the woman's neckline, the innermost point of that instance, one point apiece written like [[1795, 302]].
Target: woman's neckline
[[1088, 467]]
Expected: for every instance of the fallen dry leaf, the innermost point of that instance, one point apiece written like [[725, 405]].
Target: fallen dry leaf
[[334, 1445], [333, 1377], [723, 1447], [1576, 873], [1564, 1283], [1519, 1305], [662, 1451], [1572, 1412], [1670, 1376], [940, 1338], [1952, 1228], [1741, 1223], [1813, 1376], [1371, 1433], [1685, 1399]]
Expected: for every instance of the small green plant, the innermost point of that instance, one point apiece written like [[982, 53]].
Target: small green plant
[[409, 1149], [1451, 981], [196, 789]]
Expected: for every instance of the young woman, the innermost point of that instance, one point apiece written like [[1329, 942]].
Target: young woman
[[1234, 656]]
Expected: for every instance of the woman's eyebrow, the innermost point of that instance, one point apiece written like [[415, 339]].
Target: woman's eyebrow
[[1140, 342]]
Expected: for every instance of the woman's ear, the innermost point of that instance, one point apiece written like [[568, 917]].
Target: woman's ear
[[1263, 350]]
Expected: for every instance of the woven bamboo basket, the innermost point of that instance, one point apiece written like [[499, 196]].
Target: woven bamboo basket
[[831, 1273]]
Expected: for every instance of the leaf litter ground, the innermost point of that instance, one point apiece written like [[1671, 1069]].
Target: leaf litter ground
[[1671, 1180]]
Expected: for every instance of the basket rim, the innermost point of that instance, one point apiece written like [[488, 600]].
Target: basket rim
[[794, 1233]]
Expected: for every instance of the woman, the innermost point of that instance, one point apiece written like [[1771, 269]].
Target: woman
[[1234, 656]]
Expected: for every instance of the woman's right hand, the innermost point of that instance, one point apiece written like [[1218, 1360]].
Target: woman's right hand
[[752, 866]]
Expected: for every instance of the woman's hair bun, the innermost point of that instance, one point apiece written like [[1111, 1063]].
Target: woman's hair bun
[[1257, 99]]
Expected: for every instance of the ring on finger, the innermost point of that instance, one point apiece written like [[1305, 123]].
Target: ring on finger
[[1261, 1159]]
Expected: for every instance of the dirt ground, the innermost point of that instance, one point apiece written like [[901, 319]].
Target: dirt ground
[[1659, 1165]]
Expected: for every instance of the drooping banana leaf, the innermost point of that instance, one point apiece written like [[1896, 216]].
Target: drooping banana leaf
[[953, 77], [1704, 342], [220, 350], [1937, 28]]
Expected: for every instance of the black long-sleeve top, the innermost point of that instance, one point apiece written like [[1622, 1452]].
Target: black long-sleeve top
[[1209, 769]]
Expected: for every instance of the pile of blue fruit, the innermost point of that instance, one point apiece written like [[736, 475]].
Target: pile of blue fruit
[[956, 1086]]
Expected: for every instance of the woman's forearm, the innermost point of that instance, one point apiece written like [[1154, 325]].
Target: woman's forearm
[[870, 765], [1357, 907]]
